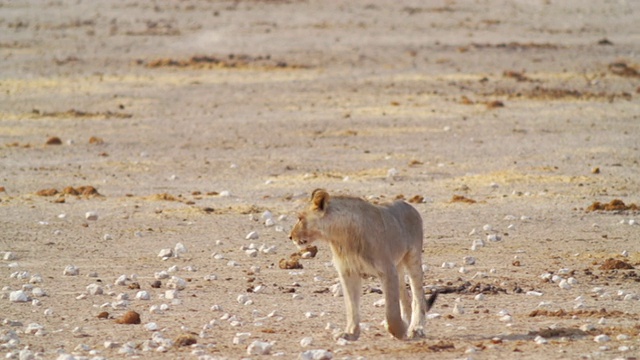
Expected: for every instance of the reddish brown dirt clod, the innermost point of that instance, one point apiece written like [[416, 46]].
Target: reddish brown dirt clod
[[129, 318], [615, 264], [54, 141]]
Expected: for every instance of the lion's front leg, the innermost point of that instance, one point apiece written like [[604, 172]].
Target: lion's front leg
[[351, 286]]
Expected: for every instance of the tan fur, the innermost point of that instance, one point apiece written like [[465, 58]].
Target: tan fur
[[367, 239]]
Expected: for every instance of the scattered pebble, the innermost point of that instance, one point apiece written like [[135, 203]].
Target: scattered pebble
[[259, 348], [602, 338], [307, 341], [71, 270], [319, 354], [252, 235], [18, 296], [91, 215]]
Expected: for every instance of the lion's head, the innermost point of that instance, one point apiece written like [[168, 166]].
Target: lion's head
[[308, 228]]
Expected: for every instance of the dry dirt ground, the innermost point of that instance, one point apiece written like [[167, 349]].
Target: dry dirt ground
[[190, 119]]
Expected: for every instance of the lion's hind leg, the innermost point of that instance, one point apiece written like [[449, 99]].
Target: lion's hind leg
[[396, 326], [413, 265], [405, 299]]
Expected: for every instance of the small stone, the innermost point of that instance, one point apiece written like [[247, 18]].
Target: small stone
[[259, 348], [179, 249], [18, 296], [564, 284], [33, 328], [494, 237], [91, 215], [143, 295], [540, 340], [319, 354], [165, 253], [121, 280], [176, 283], [587, 327], [379, 303], [469, 260], [602, 338], [479, 297], [241, 338], [9, 256], [171, 294], [252, 235], [269, 222], [38, 292], [307, 341], [186, 340], [71, 270]]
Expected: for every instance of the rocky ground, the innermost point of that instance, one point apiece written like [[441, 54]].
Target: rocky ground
[[131, 127]]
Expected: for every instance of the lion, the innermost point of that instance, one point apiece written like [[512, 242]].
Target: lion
[[366, 239]]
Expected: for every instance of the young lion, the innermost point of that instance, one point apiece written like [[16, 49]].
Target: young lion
[[366, 239]]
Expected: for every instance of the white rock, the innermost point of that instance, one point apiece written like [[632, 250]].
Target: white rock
[[433, 316], [143, 295], [448, 265], [210, 277], [602, 338], [564, 284], [506, 318], [540, 340], [71, 270], [269, 223], [33, 328], [625, 253], [479, 297], [38, 292], [9, 256], [379, 303], [602, 321], [572, 281], [35, 279], [319, 354], [243, 299], [241, 338], [18, 296], [463, 270], [91, 215], [457, 309], [107, 237], [171, 294], [623, 337], [225, 193], [494, 237], [121, 280], [252, 235], [251, 252], [151, 326], [176, 283], [179, 249], [307, 341], [165, 253], [534, 293], [587, 327], [487, 227], [469, 260]]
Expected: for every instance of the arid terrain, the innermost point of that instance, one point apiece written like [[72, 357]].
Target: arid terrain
[[199, 128]]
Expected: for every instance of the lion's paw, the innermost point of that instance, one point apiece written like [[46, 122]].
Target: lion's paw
[[417, 333], [346, 336]]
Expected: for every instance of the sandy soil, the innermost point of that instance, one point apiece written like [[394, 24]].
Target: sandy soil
[[193, 118]]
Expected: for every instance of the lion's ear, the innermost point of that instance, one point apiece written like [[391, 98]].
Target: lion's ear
[[320, 199]]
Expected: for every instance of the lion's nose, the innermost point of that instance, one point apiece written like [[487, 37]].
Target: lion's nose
[[290, 237]]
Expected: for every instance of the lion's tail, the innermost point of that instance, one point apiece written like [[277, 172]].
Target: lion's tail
[[431, 300]]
